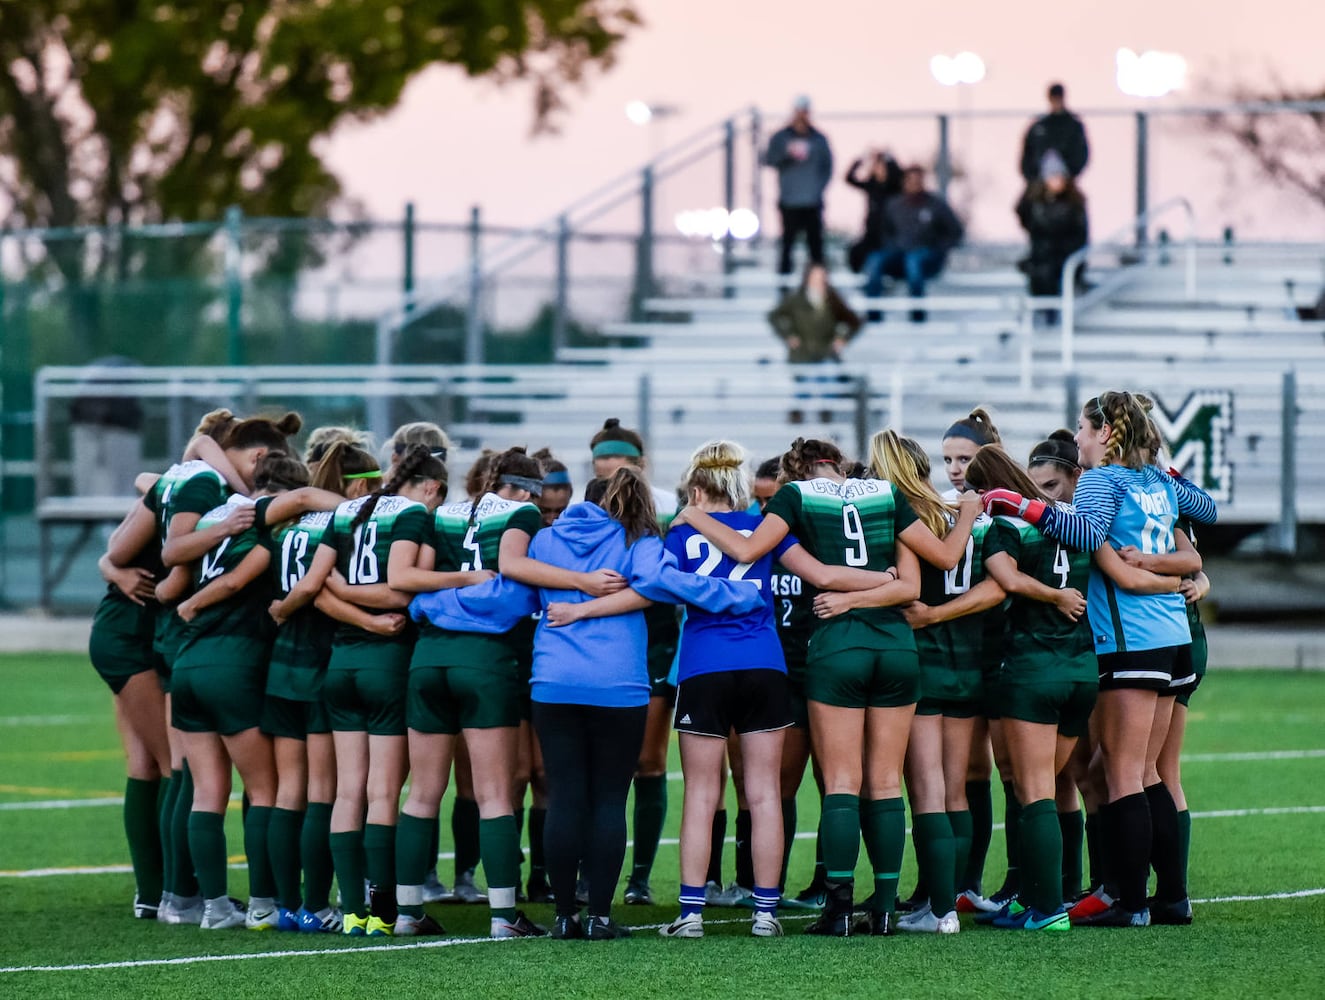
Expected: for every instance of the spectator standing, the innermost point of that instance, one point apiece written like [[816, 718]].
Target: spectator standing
[[1053, 213], [816, 325], [801, 155], [1061, 132], [880, 180], [922, 228]]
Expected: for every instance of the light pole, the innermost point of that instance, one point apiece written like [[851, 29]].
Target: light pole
[[962, 71]]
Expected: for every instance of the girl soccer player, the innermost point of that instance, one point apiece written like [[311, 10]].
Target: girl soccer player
[[862, 671], [1125, 499]]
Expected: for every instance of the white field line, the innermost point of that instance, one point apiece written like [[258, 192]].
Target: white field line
[[664, 842], [455, 942], [1232, 758], [47, 720]]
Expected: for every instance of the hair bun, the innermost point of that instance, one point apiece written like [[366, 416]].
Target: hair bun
[[1063, 434], [719, 462], [611, 422], [290, 423]]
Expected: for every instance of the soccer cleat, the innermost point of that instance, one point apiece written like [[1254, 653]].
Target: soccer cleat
[[518, 927], [811, 898], [377, 927], [466, 890], [434, 889], [684, 926], [287, 920], [873, 923], [926, 921], [424, 926], [1037, 921], [326, 921], [353, 925], [1176, 914], [539, 891], [1116, 916], [837, 919], [1008, 909], [764, 924], [1096, 903], [713, 892], [637, 893], [970, 901], [262, 915], [145, 911], [221, 915], [567, 928], [733, 896], [609, 931], [188, 910], [913, 902]]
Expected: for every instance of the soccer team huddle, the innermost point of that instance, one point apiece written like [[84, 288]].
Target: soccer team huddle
[[341, 634]]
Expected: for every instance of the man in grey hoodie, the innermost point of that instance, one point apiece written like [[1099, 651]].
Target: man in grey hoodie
[[804, 162]]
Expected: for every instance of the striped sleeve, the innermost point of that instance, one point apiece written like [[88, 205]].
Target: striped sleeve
[[1194, 502], [1096, 501]]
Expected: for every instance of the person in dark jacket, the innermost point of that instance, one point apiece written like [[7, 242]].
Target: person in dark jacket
[[922, 229], [1059, 131], [804, 161], [1053, 213], [878, 175]]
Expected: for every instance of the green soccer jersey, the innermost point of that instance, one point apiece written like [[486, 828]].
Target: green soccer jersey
[[793, 611], [363, 551], [1200, 645], [854, 523], [236, 628], [1041, 644], [303, 644], [957, 645]]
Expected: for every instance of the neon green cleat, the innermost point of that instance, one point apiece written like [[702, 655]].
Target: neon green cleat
[[354, 925]]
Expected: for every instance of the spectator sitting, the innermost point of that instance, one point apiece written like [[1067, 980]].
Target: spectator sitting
[[922, 228], [804, 162], [816, 325], [1061, 132], [882, 179], [1053, 213]]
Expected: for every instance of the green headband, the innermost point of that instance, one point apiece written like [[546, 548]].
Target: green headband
[[604, 448], [377, 474]]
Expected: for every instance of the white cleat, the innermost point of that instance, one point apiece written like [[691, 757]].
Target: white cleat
[[765, 925], [263, 914], [188, 910], [221, 914], [691, 926]]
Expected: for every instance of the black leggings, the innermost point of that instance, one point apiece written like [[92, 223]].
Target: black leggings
[[589, 755]]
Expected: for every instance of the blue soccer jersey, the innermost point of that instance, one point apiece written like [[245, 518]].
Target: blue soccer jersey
[[1124, 507], [714, 643]]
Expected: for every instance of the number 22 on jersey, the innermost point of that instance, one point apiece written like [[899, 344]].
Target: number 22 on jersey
[[699, 547]]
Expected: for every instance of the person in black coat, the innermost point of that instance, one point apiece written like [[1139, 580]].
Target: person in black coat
[[878, 175], [1053, 213], [1059, 131]]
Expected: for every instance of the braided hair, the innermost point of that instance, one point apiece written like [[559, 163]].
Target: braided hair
[[806, 457], [416, 465], [1133, 440], [511, 462]]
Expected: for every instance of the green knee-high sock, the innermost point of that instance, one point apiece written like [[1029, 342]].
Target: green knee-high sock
[[434, 843], [1095, 851], [820, 869], [934, 855], [186, 879], [1011, 832], [841, 833], [166, 824], [960, 821], [315, 854], [379, 849], [717, 839], [883, 822], [464, 833], [1185, 840], [519, 840], [257, 827], [499, 846], [143, 831], [650, 814], [413, 840], [1071, 825], [207, 843], [788, 838], [537, 861], [1041, 846], [347, 856], [283, 833], [979, 798]]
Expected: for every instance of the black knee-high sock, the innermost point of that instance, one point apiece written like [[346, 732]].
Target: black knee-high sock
[[464, 832], [537, 824], [1165, 845], [1128, 837], [980, 800], [745, 864], [716, 845], [1095, 850], [166, 823], [788, 837], [1011, 835]]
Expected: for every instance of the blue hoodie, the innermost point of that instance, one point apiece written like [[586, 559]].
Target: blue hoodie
[[596, 661]]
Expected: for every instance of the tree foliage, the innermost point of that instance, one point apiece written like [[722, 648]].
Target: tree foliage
[[133, 111], [1287, 144]]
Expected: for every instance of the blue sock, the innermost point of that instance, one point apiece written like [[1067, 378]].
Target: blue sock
[[692, 899], [766, 900]]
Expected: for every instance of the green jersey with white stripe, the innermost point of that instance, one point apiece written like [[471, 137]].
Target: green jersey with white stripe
[[467, 536], [1042, 644], [956, 645], [303, 644]]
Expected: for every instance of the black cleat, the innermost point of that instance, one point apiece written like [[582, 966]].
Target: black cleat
[[872, 923], [1176, 914], [1116, 916], [567, 929], [610, 931], [837, 919]]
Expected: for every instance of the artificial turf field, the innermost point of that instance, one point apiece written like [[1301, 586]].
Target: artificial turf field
[[1255, 781]]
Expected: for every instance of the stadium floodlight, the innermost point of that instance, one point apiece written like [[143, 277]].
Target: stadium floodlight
[[715, 223], [743, 224], [965, 67], [643, 112], [1150, 73]]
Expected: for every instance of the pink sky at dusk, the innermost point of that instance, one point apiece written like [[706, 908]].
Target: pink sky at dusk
[[454, 142]]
